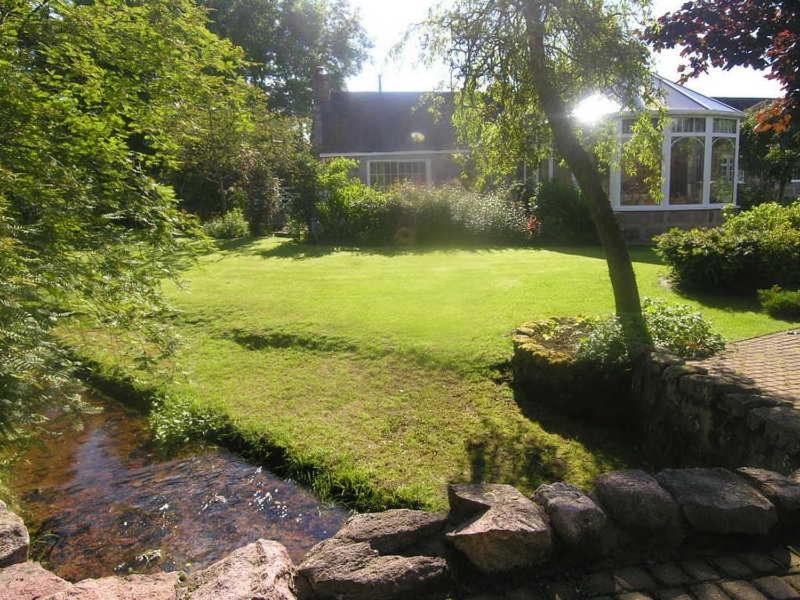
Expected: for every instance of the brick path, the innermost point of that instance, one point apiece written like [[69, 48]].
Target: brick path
[[763, 575], [770, 362]]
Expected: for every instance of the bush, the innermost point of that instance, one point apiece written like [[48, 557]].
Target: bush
[[350, 212], [677, 328], [780, 303], [229, 226], [563, 214], [751, 250]]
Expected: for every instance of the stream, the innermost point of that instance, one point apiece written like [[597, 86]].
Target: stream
[[99, 500]]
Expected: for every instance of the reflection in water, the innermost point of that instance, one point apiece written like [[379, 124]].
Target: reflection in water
[[102, 501]]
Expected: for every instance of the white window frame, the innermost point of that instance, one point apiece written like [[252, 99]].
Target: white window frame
[[426, 161], [708, 136]]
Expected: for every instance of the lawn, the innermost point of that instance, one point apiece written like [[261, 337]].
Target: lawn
[[380, 368]]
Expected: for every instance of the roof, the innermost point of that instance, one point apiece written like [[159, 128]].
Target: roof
[[682, 99], [744, 104], [353, 122]]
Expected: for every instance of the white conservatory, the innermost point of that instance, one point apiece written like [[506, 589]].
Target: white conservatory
[[700, 167]]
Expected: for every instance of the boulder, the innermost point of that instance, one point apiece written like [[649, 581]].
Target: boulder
[[638, 503], [162, 586], [14, 539], [577, 521], [782, 491], [342, 569], [393, 531], [260, 570], [29, 581], [509, 531], [719, 501]]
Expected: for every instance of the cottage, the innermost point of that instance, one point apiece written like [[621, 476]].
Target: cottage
[[409, 137]]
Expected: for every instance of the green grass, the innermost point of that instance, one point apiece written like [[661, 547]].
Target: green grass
[[374, 368]]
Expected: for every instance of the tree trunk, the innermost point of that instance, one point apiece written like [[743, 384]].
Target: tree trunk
[[620, 268]]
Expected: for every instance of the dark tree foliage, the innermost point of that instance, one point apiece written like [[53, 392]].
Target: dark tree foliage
[[287, 41], [760, 34]]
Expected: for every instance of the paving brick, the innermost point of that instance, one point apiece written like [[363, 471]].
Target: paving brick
[[700, 571], [760, 562], [634, 596], [673, 594], [634, 579], [792, 580], [561, 590], [708, 591], [598, 584], [732, 567], [670, 575], [775, 588], [741, 590]]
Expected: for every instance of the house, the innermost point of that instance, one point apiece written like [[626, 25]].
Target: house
[[409, 136]]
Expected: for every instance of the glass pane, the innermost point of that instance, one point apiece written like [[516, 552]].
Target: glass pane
[[724, 125], [384, 173], [635, 189], [723, 167], [689, 125], [686, 171]]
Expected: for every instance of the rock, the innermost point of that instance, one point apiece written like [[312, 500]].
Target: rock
[[509, 532], [778, 489], [261, 570], [638, 503], [29, 581], [718, 501], [345, 570], [163, 586], [394, 530], [576, 519], [14, 539]]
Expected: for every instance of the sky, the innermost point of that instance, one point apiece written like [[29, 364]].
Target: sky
[[386, 22]]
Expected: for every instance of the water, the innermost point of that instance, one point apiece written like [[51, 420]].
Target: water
[[100, 501]]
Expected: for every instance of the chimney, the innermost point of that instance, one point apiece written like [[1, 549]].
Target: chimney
[[321, 83]]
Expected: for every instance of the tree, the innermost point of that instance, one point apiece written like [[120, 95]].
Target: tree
[[289, 40], [770, 158], [760, 34], [96, 101], [522, 66]]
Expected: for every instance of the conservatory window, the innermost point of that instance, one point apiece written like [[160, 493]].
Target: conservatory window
[[724, 125], [686, 171], [689, 125], [384, 173], [723, 166], [635, 189]]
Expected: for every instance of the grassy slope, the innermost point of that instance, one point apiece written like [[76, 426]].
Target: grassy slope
[[376, 365]]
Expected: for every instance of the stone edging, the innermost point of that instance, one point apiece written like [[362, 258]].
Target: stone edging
[[491, 535]]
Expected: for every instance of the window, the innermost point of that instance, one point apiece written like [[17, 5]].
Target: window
[[384, 173], [724, 125], [686, 171], [635, 188], [627, 126], [689, 125], [723, 165], [796, 174]]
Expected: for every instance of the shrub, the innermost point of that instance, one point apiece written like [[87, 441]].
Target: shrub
[[751, 250], [229, 226], [563, 214], [348, 211], [780, 303], [677, 328]]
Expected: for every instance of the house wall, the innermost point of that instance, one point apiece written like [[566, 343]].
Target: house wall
[[641, 227]]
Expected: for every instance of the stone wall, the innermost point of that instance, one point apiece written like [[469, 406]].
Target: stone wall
[[496, 543], [687, 416], [640, 227]]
